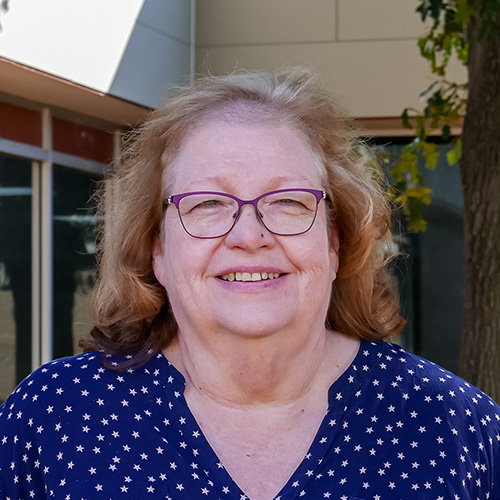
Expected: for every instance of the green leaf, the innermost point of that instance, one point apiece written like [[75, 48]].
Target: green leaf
[[446, 132], [406, 121], [447, 43], [454, 155], [430, 154], [435, 121], [414, 210], [429, 88], [463, 54], [402, 199], [465, 10], [422, 194], [417, 225], [431, 160], [430, 8], [406, 164], [421, 128]]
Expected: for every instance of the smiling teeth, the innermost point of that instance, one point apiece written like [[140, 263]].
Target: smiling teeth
[[249, 276]]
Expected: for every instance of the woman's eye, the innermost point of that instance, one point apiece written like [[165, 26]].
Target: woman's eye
[[289, 201], [208, 204]]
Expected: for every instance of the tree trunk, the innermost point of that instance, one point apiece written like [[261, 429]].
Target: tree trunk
[[480, 172]]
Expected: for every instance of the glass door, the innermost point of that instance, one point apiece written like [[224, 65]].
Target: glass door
[[15, 271], [73, 257]]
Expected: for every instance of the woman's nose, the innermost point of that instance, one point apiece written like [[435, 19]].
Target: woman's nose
[[249, 232]]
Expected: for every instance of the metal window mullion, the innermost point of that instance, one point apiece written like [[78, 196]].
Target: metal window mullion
[[78, 163], [117, 145], [35, 265], [46, 241], [192, 55], [24, 150]]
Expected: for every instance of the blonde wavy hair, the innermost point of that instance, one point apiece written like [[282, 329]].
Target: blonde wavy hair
[[130, 308]]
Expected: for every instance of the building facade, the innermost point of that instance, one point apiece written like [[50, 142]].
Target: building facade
[[94, 69], [89, 71]]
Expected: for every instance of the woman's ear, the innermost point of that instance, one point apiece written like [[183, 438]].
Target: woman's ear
[[157, 257], [334, 253]]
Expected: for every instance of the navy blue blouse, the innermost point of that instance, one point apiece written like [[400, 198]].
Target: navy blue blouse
[[397, 427]]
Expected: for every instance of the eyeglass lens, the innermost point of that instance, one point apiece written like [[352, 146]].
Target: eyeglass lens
[[211, 215]]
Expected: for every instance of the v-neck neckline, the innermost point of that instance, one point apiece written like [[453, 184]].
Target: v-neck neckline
[[340, 392]]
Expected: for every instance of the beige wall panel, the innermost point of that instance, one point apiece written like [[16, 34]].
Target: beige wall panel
[[371, 78], [379, 19], [243, 22]]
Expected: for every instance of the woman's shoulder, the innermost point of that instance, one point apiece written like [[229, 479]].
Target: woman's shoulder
[[71, 407], [417, 380], [64, 385], [53, 378], [57, 377]]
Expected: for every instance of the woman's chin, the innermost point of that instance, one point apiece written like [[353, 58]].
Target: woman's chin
[[254, 323]]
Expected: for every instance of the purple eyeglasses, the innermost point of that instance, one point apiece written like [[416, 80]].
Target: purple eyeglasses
[[285, 212]]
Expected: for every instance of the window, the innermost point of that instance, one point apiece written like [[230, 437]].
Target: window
[[47, 243], [15, 271], [430, 270], [73, 257]]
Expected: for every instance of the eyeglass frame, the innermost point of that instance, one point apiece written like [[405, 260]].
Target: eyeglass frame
[[175, 199]]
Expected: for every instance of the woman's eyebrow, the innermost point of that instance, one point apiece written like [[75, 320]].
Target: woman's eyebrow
[[223, 183], [217, 180]]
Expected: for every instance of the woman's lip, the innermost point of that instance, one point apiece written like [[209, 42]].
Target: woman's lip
[[249, 277], [252, 269], [261, 284]]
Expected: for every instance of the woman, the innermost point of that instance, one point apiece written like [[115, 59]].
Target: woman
[[240, 312]]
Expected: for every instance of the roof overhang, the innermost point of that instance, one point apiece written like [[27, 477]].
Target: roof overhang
[[36, 86]]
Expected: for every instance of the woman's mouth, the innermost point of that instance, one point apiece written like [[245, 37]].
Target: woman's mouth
[[244, 276]]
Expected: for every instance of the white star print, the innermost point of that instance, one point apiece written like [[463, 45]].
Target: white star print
[[159, 422]]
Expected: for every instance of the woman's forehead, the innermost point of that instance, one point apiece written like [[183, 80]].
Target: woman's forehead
[[219, 149]]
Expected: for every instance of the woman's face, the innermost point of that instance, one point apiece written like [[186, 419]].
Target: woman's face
[[245, 160]]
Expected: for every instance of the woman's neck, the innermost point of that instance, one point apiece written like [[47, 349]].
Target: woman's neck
[[237, 372]]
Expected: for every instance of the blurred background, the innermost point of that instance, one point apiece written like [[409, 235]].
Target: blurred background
[[75, 75]]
